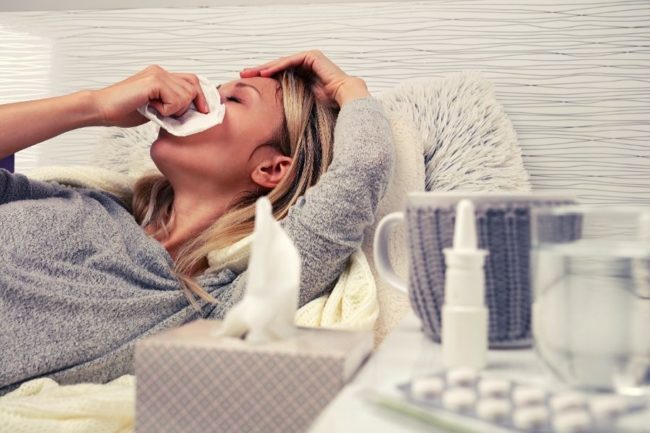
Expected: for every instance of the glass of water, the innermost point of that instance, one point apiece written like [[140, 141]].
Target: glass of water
[[590, 274]]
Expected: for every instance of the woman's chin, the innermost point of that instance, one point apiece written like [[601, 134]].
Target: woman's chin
[[157, 150], [168, 151], [162, 132], [166, 137]]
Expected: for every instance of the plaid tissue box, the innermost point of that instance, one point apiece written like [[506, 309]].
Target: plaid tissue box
[[190, 381]]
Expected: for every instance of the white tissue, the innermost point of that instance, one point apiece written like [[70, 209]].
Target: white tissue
[[267, 310], [192, 121]]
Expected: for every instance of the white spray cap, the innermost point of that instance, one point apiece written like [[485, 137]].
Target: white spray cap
[[465, 227], [464, 281]]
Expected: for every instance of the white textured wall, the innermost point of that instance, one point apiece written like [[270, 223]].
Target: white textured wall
[[573, 75], [44, 5]]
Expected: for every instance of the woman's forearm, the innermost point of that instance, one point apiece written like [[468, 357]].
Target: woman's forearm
[[23, 124]]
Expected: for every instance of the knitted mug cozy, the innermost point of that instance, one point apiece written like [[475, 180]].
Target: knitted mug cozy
[[504, 230]]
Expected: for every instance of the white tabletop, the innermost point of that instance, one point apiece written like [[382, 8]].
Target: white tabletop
[[407, 353]]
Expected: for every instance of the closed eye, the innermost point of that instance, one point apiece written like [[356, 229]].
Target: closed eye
[[231, 98]]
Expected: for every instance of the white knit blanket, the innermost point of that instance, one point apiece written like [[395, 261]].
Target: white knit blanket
[[43, 406]]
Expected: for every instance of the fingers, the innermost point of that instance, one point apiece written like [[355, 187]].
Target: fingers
[[176, 94], [172, 99], [303, 59], [328, 76], [188, 94], [200, 100], [256, 70], [248, 72], [171, 94]]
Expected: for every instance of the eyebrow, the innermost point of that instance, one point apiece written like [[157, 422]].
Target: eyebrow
[[240, 84]]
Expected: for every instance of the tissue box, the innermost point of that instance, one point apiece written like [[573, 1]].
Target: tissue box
[[190, 381]]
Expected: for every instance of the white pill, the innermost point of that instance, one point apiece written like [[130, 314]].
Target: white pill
[[607, 407], [530, 417], [425, 388], [459, 399], [493, 409], [572, 422], [461, 376], [528, 396], [494, 387], [567, 401]]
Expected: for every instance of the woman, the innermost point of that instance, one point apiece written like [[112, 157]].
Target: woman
[[83, 277]]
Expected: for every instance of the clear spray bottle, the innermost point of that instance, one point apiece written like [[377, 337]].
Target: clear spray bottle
[[464, 314]]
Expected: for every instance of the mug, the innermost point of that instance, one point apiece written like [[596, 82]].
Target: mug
[[503, 229]]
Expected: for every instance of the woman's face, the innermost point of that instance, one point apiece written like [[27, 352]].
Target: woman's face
[[225, 155]]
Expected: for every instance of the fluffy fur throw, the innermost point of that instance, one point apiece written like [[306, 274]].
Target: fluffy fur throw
[[126, 150], [469, 142]]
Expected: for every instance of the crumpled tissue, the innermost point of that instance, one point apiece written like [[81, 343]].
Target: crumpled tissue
[[192, 121], [267, 310]]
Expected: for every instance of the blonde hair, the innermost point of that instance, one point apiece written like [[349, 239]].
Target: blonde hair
[[307, 135]]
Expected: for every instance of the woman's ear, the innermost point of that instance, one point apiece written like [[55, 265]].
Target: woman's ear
[[270, 172]]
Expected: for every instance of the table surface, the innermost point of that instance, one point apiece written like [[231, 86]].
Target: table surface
[[407, 353]]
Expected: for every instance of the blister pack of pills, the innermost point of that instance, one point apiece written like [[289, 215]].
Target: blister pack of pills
[[517, 406]]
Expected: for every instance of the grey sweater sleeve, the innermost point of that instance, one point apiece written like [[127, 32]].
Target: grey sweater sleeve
[[16, 186], [328, 222]]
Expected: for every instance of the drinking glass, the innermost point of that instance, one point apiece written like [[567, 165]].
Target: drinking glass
[[590, 274]]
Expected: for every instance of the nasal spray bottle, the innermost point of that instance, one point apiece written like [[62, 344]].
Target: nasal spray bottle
[[464, 314]]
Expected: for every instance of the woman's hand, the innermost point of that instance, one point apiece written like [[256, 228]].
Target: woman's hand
[[331, 85], [169, 93]]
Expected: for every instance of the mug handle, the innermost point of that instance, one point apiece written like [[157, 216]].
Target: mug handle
[[380, 251]]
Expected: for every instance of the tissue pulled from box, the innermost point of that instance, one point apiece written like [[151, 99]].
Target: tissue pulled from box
[[267, 310], [192, 121]]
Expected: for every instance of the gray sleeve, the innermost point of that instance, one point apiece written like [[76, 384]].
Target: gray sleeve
[[227, 295], [327, 223], [16, 186]]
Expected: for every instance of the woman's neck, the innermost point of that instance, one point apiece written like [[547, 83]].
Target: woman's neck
[[191, 216]]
